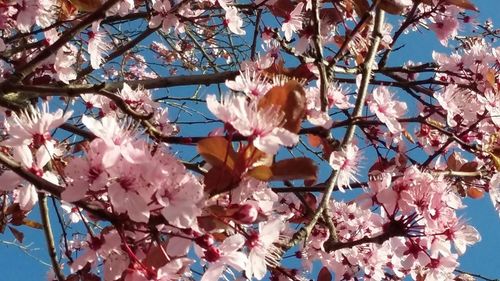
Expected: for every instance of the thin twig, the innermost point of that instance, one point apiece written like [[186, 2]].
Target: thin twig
[[49, 237], [304, 232]]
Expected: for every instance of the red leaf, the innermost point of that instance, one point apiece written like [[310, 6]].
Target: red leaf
[[217, 151], [262, 173], [291, 100], [465, 4], [17, 234], [32, 224], [475, 193], [220, 179], [295, 168], [324, 275], [314, 140], [155, 257]]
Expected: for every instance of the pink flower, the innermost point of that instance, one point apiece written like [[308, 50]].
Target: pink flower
[[387, 109], [97, 46], [64, 61], [34, 126], [293, 22], [233, 21], [180, 200], [461, 234], [336, 97], [163, 17], [347, 164], [262, 126], [249, 82], [495, 192], [450, 100], [441, 268], [119, 142], [84, 174], [260, 245], [138, 99], [99, 247], [446, 24], [226, 255]]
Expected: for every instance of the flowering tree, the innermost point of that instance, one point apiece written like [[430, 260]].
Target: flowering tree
[[220, 179]]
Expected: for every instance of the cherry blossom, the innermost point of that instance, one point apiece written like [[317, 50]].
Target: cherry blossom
[[118, 140], [97, 45], [226, 254], [293, 21], [158, 183], [387, 109], [346, 163], [233, 21], [260, 125]]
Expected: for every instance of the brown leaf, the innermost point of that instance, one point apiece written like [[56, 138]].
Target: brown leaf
[[314, 140], [86, 5], [492, 81], [209, 224], [91, 277], [291, 100], [469, 167], [427, 2], [155, 257], [73, 277], [408, 136], [17, 234], [475, 193], [255, 157], [282, 8], [465, 4], [67, 10], [220, 179], [331, 16], [324, 275], [361, 7], [217, 151], [496, 160], [453, 162], [295, 168], [263, 173], [32, 224]]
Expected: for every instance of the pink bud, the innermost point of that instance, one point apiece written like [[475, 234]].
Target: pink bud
[[205, 241], [246, 214], [212, 254]]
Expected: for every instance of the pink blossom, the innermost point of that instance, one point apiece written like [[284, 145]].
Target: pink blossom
[[387, 109], [97, 45], [164, 16], [445, 25], [34, 127], [249, 82], [293, 22], [181, 201], [84, 174], [226, 254], [495, 191], [119, 142], [233, 21], [347, 164], [261, 244], [64, 61], [262, 126]]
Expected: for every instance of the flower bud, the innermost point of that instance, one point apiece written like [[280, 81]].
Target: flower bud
[[246, 214], [205, 241]]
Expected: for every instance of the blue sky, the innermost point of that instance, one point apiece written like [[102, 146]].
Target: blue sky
[[483, 258]]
